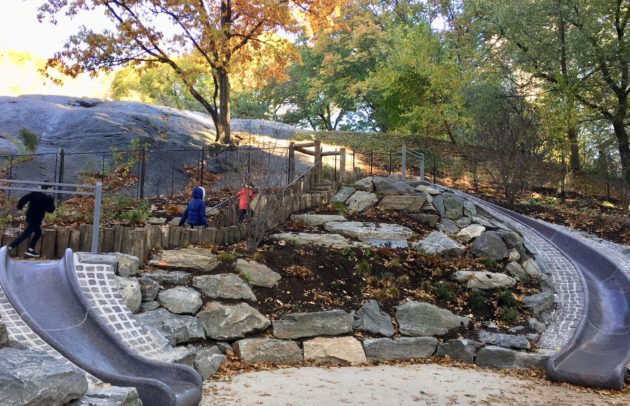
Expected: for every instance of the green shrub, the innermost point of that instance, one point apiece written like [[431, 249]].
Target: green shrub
[[364, 268], [29, 141], [137, 213], [506, 298], [228, 256], [489, 262], [442, 292], [258, 257], [509, 315], [477, 302]]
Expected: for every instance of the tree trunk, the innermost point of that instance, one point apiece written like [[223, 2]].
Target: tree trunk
[[223, 125], [574, 157], [624, 148]]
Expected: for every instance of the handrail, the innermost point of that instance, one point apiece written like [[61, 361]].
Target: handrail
[[316, 164]]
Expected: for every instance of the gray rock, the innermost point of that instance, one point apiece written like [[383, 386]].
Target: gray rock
[[180, 300], [149, 288], [130, 291], [428, 189], [379, 243], [183, 355], [453, 207], [224, 286], [516, 270], [502, 358], [109, 396], [532, 269], [482, 280], [4, 335], [231, 322], [391, 186], [385, 349], [490, 245], [315, 220], [176, 329], [430, 220], [364, 185], [409, 203], [360, 201], [371, 319], [35, 378], [156, 221], [335, 241], [148, 306], [504, 340], [438, 204], [439, 244], [463, 222], [343, 194], [253, 350], [257, 274], [194, 259], [540, 303], [363, 230], [539, 326], [482, 221], [299, 325], [514, 255], [448, 226], [334, 350], [469, 209], [511, 238], [426, 319], [459, 349], [471, 232], [128, 265], [169, 277], [208, 361]]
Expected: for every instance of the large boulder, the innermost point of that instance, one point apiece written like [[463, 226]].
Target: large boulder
[[483, 280], [35, 378], [439, 244], [391, 186], [335, 241], [366, 231], [149, 288], [438, 204], [224, 286], [470, 232], [175, 328], [169, 277], [532, 270], [448, 226], [127, 265], [343, 194], [300, 325], [315, 220], [540, 303], [501, 358], [459, 349], [516, 270], [4, 335], [257, 274], [110, 396], [370, 319], [385, 349], [409, 203], [334, 350], [180, 300], [428, 189], [253, 350], [193, 259], [360, 201], [490, 245], [207, 361], [453, 207], [231, 322], [426, 319], [504, 340], [364, 185]]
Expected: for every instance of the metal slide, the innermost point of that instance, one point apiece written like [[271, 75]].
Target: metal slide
[[599, 352], [47, 296]]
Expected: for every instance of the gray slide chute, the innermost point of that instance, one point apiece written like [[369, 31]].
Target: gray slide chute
[[47, 296], [599, 352]]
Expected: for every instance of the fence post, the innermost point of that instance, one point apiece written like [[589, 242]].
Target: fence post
[[62, 161], [317, 160], [97, 216], [291, 169], [10, 173], [403, 168], [335, 167], [203, 151], [142, 171], [342, 164]]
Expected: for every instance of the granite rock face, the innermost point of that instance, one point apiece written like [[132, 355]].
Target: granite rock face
[[385, 349], [252, 350], [175, 328], [300, 325], [231, 322]]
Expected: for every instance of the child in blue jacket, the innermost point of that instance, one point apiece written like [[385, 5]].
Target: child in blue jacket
[[195, 213]]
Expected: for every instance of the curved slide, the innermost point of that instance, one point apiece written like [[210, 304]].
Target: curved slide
[[599, 352], [47, 296]]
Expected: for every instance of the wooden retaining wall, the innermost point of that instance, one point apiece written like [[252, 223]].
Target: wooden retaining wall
[[139, 241]]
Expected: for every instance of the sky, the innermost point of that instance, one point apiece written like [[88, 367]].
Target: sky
[[20, 31]]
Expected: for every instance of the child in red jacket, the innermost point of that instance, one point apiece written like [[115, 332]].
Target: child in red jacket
[[245, 197]]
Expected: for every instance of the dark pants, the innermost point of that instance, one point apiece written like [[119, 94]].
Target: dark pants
[[36, 229], [244, 213]]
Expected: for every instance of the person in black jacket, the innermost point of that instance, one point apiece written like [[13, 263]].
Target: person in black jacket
[[38, 204]]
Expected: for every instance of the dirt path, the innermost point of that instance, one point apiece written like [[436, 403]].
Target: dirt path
[[425, 384]]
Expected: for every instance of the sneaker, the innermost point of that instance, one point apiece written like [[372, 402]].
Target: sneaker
[[31, 253]]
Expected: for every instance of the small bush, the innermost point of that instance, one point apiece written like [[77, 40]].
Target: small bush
[[477, 302], [442, 292], [427, 286], [258, 257], [489, 262], [506, 298], [364, 268], [246, 277], [29, 141], [228, 256], [393, 263], [509, 315], [403, 280]]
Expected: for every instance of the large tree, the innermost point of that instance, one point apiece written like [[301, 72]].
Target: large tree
[[218, 35]]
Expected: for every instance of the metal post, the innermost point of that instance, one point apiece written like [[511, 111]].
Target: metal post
[[335, 170], [10, 174], [97, 216], [62, 162], [403, 169], [103, 166], [291, 168], [142, 171], [203, 150]]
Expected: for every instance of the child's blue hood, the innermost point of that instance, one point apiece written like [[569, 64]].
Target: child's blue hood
[[198, 193]]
